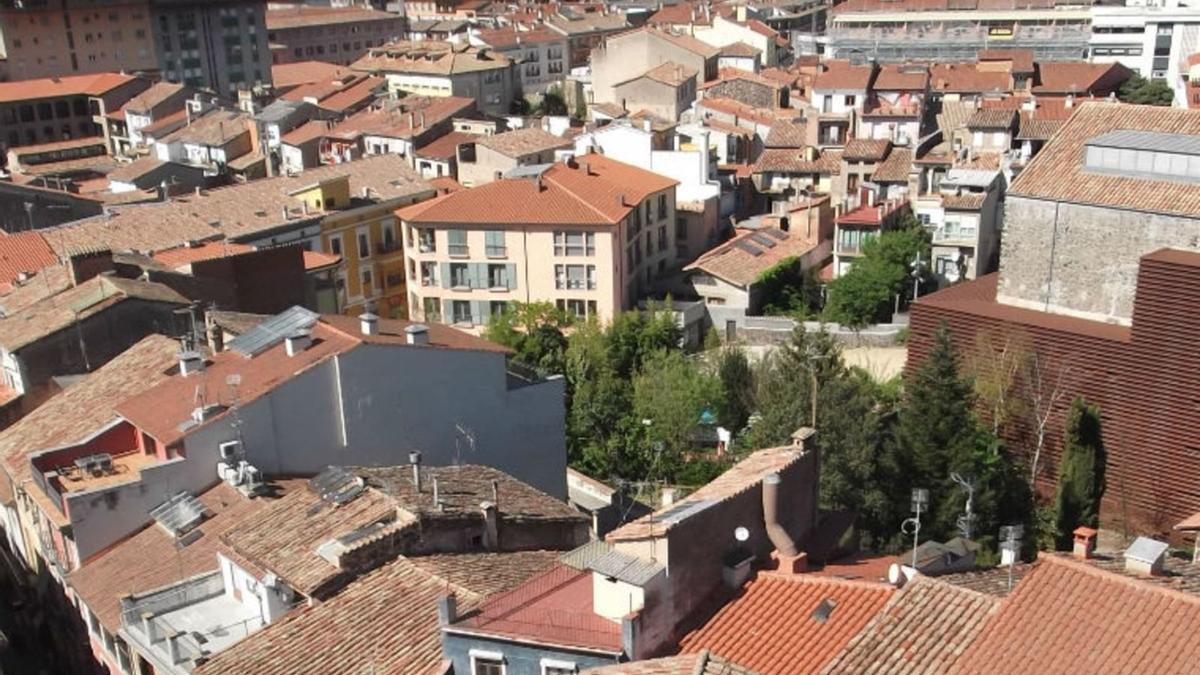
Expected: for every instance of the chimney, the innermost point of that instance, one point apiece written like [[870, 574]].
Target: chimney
[[190, 363], [741, 13], [447, 609], [422, 119], [417, 334], [491, 530], [1085, 542], [668, 496], [412, 118], [775, 531], [437, 495], [414, 458], [1146, 557], [369, 324], [88, 264], [496, 493], [298, 342], [647, 126], [216, 339], [284, 212]]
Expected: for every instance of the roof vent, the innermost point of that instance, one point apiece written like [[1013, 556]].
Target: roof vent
[[417, 334], [1146, 556], [298, 342], [190, 362], [369, 324]]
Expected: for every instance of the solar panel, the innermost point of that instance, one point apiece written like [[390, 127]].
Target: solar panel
[[272, 331], [762, 239], [748, 248], [777, 233], [336, 485], [179, 514], [683, 510]]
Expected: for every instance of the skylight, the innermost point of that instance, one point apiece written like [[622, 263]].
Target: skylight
[[1145, 154]]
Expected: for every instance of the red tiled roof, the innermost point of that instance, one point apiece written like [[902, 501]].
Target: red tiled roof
[[896, 77], [896, 168], [186, 255], [771, 627], [299, 16], [681, 14], [554, 607], [872, 214], [842, 75], [922, 629], [315, 260], [1068, 616], [967, 78], [1021, 59], [1080, 77], [733, 263], [599, 191], [791, 160], [24, 252], [503, 38], [309, 131], [703, 663], [305, 72], [865, 149], [50, 87]]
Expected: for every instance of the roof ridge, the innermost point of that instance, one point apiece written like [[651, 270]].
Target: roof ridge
[[551, 177], [1099, 572], [805, 578]]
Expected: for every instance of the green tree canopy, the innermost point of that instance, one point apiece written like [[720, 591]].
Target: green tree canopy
[[864, 294], [1081, 480], [783, 391], [669, 396], [737, 380], [535, 332], [1141, 90]]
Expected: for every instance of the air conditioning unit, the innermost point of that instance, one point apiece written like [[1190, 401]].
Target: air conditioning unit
[[229, 450], [227, 473]]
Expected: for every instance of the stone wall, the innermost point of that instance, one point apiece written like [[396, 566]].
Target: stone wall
[[1081, 260]]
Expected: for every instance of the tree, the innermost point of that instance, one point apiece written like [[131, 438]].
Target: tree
[[535, 332], [996, 365], [1045, 382], [783, 391], [669, 395], [1081, 480], [552, 102], [788, 289], [737, 381], [937, 433], [1141, 90], [864, 293]]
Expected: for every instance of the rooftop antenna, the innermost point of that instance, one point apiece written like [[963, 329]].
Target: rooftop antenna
[[967, 520], [1010, 546], [920, 499]]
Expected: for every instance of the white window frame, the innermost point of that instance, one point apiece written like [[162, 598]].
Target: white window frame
[[478, 654], [547, 664]]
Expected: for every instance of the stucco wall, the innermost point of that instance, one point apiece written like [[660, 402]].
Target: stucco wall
[[1081, 260]]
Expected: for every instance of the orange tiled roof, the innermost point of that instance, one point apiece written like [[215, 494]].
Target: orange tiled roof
[[503, 38], [790, 160], [1021, 59], [771, 627], [519, 142], [1080, 77], [315, 260], [599, 191], [703, 663], [305, 72], [967, 78], [900, 77], [299, 16], [186, 255], [866, 149], [24, 252], [1069, 616], [732, 262], [50, 87], [842, 75]]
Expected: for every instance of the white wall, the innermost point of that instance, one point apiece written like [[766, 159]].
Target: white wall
[[255, 595]]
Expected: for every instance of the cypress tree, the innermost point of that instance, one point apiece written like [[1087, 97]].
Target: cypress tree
[[1081, 481]]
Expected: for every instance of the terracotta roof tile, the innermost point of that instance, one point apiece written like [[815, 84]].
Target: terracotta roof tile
[[967, 78], [786, 134], [1080, 77], [149, 99], [741, 49], [1021, 59], [902, 77], [992, 581], [1032, 129], [896, 168], [299, 16], [413, 117], [461, 488], [186, 255], [841, 75], [521, 142], [487, 573], [305, 72], [866, 150], [73, 85], [790, 160], [600, 191], [669, 73], [923, 628], [430, 57], [1068, 616], [503, 38], [1057, 171], [732, 262], [23, 253], [992, 118], [87, 406], [771, 627], [152, 559], [214, 128], [703, 663], [968, 201]]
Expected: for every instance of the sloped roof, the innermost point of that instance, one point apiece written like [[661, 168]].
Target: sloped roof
[[895, 168], [789, 160], [841, 75], [866, 149], [1079, 77], [1068, 616], [521, 142], [740, 49], [733, 261], [429, 57], [772, 626], [668, 72], [992, 119], [600, 191], [703, 663], [967, 78], [446, 145], [305, 72], [72, 85], [786, 134], [300, 16], [23, 252], [901, 77], [156, 94]]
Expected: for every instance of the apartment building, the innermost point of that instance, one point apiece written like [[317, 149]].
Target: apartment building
[[665, 91], [590, 235], [859, 225], [540, 54], [57, 39], [48, 110], [338, 35], [156, 103], [585, 31], [219, 45], [490, 157], [1153, 39], [839, 95], [430, 68]]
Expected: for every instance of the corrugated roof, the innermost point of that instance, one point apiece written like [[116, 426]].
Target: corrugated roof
[[625, 567]]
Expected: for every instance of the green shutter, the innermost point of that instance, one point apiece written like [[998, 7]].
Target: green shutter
[[478, 274], [445, 274], [447, 311], [510, 270], [479, 311]]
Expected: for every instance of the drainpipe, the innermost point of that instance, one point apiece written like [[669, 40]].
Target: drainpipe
[[775, 531]]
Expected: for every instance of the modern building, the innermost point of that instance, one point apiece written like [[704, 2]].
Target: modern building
[[1153, 39], [338, 35], [1099, 242], [591, 235], [429, 68], [221, 45]]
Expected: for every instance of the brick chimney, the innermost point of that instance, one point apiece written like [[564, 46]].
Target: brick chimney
[[1085, 542], [87, 264]]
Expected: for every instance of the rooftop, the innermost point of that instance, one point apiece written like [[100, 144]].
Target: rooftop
[[596, 191], [789, 624], [789, 160], [740, 49], [1058, 172], [522, 142], [1079, 77], [186, 255], [461, 488], [1069, 616], [411, 117], [993, 119], [304, 72], [841, 75], [902, 77], [300, 16], [866, 150], [385, 622], [508, 37], [158, 92], [215, 128], [429, 57], [743, 259], [23, 253], [968, 78], [702, 663], [873, 215], [922, 629], [51, 87], [895, 168], [668, 72]]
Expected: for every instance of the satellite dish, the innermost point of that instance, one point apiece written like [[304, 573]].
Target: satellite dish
[[741, 534]]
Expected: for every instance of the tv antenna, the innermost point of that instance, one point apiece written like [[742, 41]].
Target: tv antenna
[[966, 521], [920, 499]]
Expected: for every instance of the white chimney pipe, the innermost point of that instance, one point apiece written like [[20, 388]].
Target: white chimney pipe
[[417, 334], [369, 324], [190, 362]]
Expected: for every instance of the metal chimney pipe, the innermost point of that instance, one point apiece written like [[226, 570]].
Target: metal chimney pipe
[[775, 530], [414, 458]]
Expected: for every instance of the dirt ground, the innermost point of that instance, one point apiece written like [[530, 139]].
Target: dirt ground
[[883, 363]]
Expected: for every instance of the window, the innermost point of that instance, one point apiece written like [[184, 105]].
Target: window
[[662, 207], [364, 245], [458, 242], [577, 308], [335, 245], [367, 286], [426, 241], [662, 238], [498, 307], [680, 229], [432, 309], [498, 276], [850, 101], [460, 275], [575, 277], [461, 313], [558, 667], [494, 241], [575, 243]]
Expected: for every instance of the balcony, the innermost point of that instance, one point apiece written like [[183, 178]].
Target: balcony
[[178, 625], [107, 460]]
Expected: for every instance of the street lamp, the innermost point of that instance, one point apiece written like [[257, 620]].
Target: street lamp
[[920, 499]]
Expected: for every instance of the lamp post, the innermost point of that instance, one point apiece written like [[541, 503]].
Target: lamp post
[[920, 499]]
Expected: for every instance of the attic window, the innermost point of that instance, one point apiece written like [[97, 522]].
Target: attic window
[[823, 611], [1143, 154]]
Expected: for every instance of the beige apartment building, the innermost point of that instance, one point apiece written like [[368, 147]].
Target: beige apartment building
[[591, 235]]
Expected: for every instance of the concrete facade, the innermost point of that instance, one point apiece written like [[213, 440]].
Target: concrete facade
[[630, 54], [219, 45], [1081, 260]]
